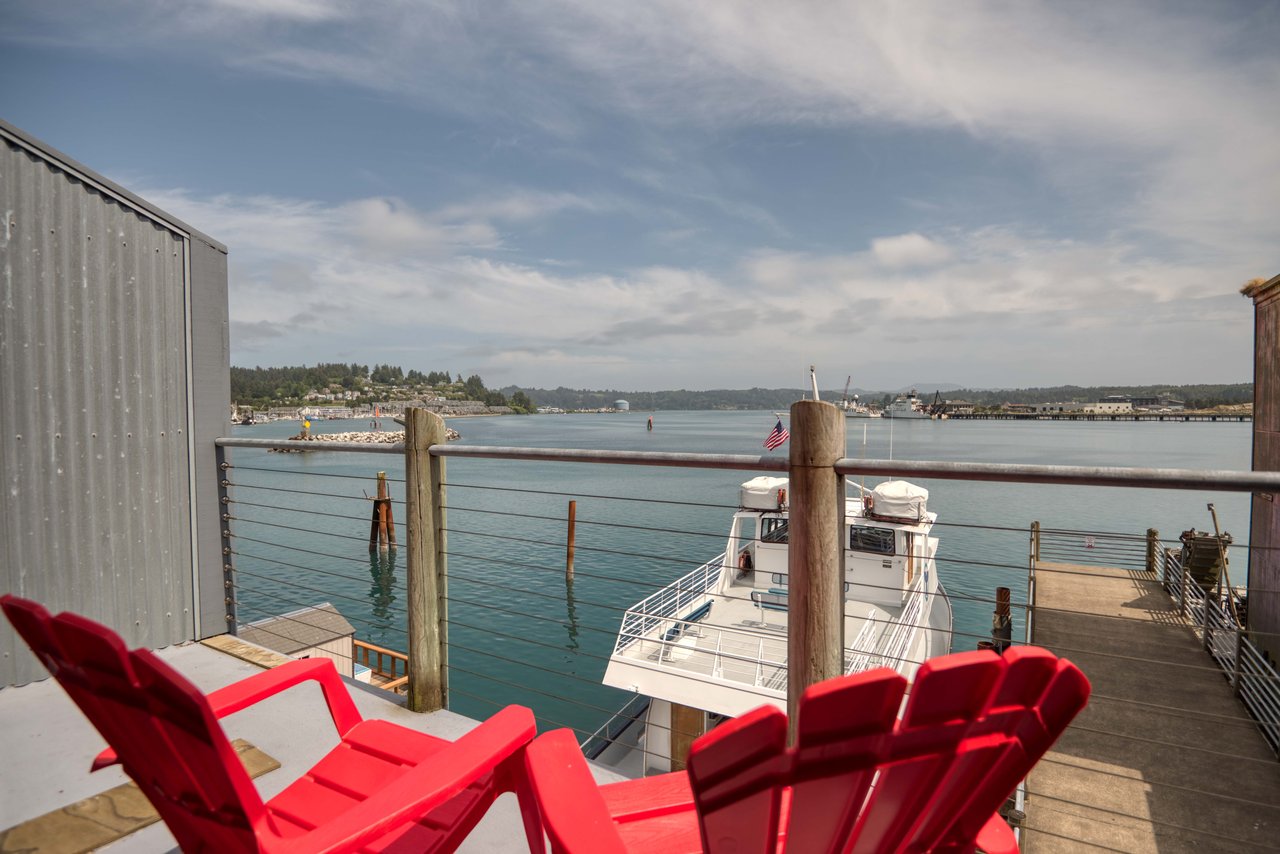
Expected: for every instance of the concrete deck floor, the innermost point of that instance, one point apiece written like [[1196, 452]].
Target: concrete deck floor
[[47, 746], [1113, 782]]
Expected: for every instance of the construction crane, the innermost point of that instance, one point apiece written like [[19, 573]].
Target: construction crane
[[844, 398]]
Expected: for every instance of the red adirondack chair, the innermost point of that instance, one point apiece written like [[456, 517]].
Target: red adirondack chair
[[383, 788], [858, 779]]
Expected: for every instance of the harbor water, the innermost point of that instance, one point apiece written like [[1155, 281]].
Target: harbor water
[[519, 633]]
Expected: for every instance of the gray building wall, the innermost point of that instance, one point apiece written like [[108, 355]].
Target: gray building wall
[[114, 380], [1264, 529]]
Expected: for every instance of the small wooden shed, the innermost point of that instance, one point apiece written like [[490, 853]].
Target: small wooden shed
[[315, 632]]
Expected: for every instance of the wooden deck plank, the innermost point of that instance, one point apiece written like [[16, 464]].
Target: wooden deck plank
[[1164, 758]]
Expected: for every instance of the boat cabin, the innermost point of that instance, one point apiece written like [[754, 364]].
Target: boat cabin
[[886, 540]]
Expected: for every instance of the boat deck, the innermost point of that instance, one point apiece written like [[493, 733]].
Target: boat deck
[[742, 641], [1164, 758]]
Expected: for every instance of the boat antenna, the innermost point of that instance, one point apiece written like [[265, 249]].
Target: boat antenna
[[862, 485], [813, 380]]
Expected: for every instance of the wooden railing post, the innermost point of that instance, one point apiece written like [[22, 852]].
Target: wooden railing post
[[426, 577], [1035, 542], [1153, 548], [815, 622]]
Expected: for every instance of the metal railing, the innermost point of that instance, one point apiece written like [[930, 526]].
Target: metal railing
[[1253, 679], [556, 675], [679, 599]]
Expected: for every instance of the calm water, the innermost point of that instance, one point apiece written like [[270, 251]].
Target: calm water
[[518, 635]]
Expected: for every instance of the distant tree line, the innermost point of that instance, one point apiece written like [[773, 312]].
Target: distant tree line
[[272, 386], [264, 387], [1195, 396]]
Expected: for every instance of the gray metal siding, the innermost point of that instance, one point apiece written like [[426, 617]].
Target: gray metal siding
[[211, 381], [94, 462]]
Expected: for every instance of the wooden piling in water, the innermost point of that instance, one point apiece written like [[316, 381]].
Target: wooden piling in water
[[382, 524], [1002, 622], [568, 552]]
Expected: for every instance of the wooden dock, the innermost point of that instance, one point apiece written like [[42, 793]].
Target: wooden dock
[[1164, 758]]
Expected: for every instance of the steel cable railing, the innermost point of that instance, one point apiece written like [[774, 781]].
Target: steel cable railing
[[517, 630]]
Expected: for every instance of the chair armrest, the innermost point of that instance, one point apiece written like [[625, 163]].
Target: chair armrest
[[245, 693], [424, 788], [996, 837], [258, 687], [574, 813]]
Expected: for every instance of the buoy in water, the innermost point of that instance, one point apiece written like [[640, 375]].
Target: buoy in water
[[650, 423]]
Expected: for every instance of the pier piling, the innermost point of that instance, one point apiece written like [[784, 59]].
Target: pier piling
[[1001, 622], [568, 551], [815, 632], [426, 580]]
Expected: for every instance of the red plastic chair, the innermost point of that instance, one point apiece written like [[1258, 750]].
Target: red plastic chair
[[383, 788], [858, 779]]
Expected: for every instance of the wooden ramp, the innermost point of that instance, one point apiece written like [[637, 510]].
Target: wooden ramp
[[1164, 758]]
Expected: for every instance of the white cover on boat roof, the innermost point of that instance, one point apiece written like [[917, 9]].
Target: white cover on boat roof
[[761, 493], [898, 499]]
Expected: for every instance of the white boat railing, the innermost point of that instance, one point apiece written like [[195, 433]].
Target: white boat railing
[[892, 652], [679, 599], [861, 653]]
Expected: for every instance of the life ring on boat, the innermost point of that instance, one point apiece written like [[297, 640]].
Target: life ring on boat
[[782, 496]]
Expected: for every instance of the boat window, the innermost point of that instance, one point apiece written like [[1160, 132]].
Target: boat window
[[874, 540], [773, 530], [779, 580]]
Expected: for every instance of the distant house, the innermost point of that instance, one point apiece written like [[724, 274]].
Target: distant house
[[316, 632]]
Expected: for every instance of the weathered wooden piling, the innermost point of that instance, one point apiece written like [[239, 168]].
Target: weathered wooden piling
[[382, 524], [1002, 622], [568, 549], [425, 571], [815, 629]]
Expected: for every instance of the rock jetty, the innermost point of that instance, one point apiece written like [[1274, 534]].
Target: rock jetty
[[364, 437]]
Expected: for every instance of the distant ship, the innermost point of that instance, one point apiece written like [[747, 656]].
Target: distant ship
[[907, 406]]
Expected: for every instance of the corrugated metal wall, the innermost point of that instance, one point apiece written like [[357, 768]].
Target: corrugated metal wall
[[1264, 534], [95, 457]]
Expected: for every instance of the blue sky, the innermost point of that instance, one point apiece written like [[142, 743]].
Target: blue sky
[[695, 195]]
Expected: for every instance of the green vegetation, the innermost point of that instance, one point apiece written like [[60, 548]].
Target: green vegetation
[[1195, 396], [356, 384]]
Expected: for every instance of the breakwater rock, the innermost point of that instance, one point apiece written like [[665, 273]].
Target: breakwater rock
[[365, 437]]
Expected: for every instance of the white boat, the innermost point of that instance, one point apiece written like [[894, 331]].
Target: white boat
[[713, 644], [907, 406], [853, 408]]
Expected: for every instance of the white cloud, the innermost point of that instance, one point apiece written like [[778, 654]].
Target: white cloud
[[1010, 307], [908, 250], [1174, 131]]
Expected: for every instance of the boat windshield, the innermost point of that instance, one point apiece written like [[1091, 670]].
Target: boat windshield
[[874, 540], [773, 530]]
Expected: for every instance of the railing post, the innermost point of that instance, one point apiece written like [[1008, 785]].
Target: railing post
[[815, 623], [426, 577], [1035, 542], [1153, 546], [224, 513]]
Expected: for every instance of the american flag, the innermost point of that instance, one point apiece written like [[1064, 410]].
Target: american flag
[[777, 437]]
